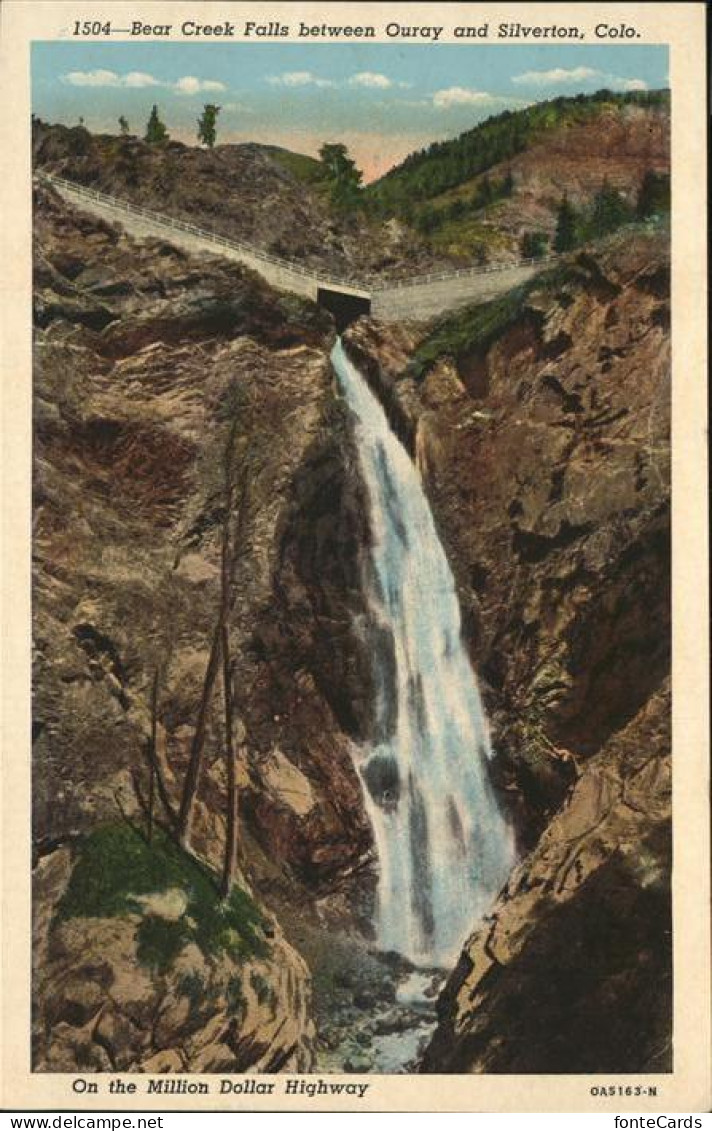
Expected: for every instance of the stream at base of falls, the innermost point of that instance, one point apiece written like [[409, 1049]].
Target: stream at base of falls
[[383, 1036], [374, 1011]]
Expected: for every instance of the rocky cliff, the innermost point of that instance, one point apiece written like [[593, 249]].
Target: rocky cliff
[[505, 178], [244, 192], [149, 365], [541, 423], [618, 148]]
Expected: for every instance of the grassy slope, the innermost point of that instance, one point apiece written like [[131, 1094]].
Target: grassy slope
[[432, 173], [304, 168], [450, 174], [115, 866]]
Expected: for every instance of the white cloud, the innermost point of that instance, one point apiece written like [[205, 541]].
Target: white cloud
[[189, 84], [298, 78], [92, 78], [139, 79], [371, 79], [578, 74], [557, 75], [460, 96]]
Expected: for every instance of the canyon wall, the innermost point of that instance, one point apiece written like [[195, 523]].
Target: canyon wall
[[152, 370], [541, 424]]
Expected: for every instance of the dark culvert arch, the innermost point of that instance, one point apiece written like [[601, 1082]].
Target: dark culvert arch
[[345, 307]]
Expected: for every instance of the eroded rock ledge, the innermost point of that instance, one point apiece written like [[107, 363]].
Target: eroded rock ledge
[[541, 426], [146, 358]]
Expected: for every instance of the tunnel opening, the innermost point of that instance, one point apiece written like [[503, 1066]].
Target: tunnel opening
[[344, 307]]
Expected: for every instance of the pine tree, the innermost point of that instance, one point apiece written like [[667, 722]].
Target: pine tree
[[533, 245], [340, 170], [123, 126], [156, 132], [566, 226], [610, 210], [654, 195], [207, 124]]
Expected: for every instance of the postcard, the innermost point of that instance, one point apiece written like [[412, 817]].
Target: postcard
[[355, 651]]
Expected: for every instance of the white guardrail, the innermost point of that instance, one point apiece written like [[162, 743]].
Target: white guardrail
[[171, 223]]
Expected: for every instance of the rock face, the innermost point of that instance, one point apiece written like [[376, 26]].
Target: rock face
[[112, 1002], [617, 147], [540, 423], [573, 970], [542, 427], [244, 192], [149, 364]]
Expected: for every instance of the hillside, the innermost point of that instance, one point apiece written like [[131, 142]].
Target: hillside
[[482, 197], [541, 423], [482, 191], [267, 196], [199, 487]]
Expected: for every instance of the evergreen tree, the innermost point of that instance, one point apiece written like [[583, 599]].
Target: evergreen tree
[[156, 132], [654, 195], [486, 191], [123, 126], [427, 220], [428, 172], [533, 245], [342, 175], [610, 210], [207, 124], [567, 234]]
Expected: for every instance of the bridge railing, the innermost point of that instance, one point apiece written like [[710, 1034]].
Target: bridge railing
[[462, 273], [172, 223], [287, 265]]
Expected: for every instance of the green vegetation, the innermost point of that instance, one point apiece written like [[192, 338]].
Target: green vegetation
[[234, 995], [654, 195], [265, 993], [207, 124], [568, 226], [304, 168], [341, 175], [444, 165], [470, 239], [534, 245], [609, 211], [123, 125], [474, 327], [156, 131], [428, 219], [160, 941], [191, 985], [116, 866], [477, 328]]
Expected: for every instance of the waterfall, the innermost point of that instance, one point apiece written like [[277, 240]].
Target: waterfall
[[444, 849]]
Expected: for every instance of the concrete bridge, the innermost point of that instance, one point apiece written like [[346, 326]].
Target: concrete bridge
[[420, 297]]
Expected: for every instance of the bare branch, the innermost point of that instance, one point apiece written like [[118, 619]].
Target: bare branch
[[230, 859]]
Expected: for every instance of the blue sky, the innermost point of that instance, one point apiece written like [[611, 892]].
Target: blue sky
[[383, 100]]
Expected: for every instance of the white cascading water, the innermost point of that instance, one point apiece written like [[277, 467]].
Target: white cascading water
[[444, 849]]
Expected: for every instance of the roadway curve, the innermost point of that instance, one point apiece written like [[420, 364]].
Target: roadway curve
[[419, 298]]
